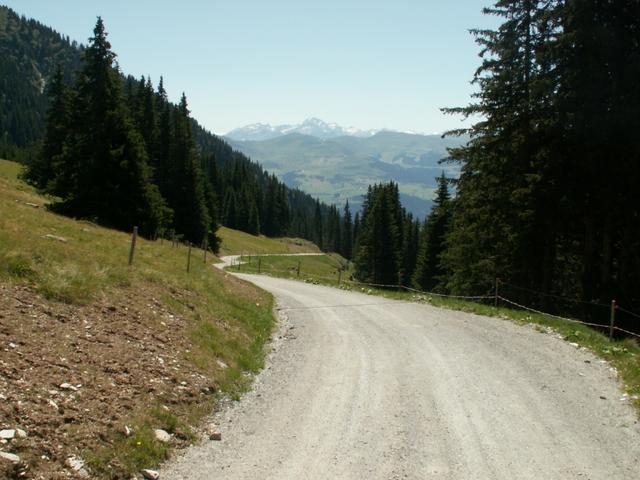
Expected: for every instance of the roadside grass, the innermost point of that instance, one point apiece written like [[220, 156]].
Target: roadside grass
[[235, 242], [623, 354], [328, 269], [78, 262], [133, 452]]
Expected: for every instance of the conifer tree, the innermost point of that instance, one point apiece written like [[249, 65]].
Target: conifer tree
[[103, 172], [318, 227], [164, 170], [409, 249], [41, 172], [187, 197], [356, 234], [347, 233], [429, 271], [377, 259], [230, 209], [500, 185]]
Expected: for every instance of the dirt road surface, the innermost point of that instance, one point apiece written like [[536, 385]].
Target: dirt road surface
[[361, 387]]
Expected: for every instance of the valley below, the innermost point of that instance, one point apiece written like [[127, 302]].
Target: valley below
[[335, 169]]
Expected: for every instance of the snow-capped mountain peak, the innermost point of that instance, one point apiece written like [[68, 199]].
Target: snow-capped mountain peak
[[311, 126]]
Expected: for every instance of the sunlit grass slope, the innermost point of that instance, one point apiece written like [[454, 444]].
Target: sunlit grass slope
[[235, 242], [79, 263]]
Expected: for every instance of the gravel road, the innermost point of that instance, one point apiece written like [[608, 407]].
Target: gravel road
[[361, 387]]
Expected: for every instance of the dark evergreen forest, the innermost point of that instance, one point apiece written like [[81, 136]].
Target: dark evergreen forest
[[546, 205]]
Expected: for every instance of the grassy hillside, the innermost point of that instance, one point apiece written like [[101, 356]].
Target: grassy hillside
[[109, 346], [235, 242]]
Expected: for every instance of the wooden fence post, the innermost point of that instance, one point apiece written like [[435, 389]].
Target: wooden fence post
[[495, 300], [298, 269], [134, 236], [259, 264], [206, 246], [612, 319], [189, 257]]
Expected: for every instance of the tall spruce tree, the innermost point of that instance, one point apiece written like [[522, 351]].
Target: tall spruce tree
[[379, 248], [103, 173], [347, 233], [496, 229], [429, 271], [187, 198], [318, 229], [41, 171], [409, 249]]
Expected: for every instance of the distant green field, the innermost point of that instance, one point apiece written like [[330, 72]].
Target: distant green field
[[327, 269], [235, 242]]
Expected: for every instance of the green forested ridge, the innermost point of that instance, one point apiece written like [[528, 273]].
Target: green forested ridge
[[29, 55], [200, 178], [343, 167]]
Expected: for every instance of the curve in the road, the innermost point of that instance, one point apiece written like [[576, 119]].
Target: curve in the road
[[390, 390]]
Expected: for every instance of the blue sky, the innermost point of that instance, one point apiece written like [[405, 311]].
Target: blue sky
[[358, 63]]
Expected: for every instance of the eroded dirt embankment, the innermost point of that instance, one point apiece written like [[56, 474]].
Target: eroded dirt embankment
[[72, 376]]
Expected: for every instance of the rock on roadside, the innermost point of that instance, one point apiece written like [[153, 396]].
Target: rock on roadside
[[10, 456], [150, 474], [162, 436]]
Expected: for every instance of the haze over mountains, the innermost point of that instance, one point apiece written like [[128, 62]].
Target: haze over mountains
[[335, 163]]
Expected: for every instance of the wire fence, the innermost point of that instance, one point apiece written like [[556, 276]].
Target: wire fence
[[496, 295]]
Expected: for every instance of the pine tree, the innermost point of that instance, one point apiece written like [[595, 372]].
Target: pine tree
[[187, 197], [230, 209], [377, 259], [429, 271], [318, 237], [347, 233], [164, 169], [333, 230], [496, 229], [42, 171], [103, 153], [410, 245]]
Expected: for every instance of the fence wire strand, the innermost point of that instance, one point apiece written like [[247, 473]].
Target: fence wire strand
[[627, 311], [294, 271], [573, 320]]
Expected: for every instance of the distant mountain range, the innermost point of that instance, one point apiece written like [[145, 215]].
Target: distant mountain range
[[311, 126], [336, 167]]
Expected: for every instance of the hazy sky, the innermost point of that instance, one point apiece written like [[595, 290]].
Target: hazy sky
[[369, 64]]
